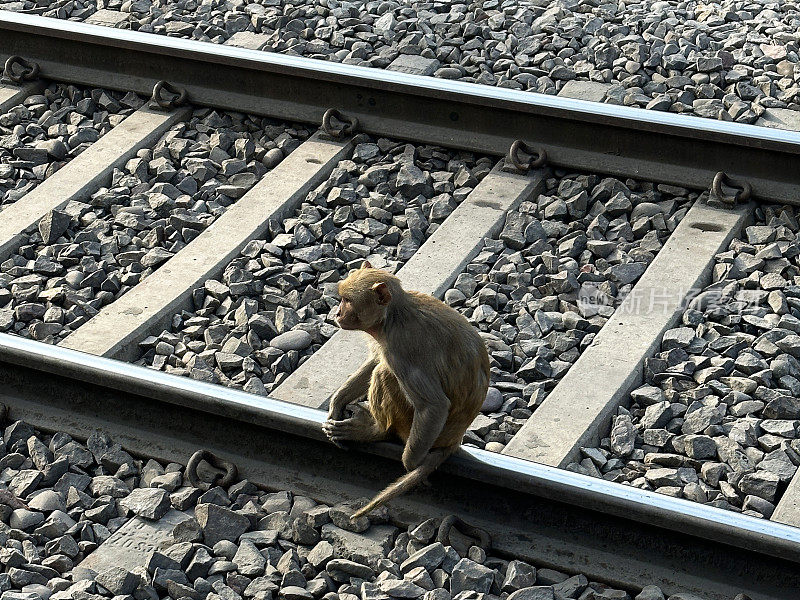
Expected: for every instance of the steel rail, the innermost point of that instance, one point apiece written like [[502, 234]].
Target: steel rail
[[657, 146], [614, 533]]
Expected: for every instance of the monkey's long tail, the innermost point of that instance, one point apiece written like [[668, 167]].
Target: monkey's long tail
[[408, 481]]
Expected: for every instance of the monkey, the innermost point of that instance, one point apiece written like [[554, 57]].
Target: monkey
[[424, 381]]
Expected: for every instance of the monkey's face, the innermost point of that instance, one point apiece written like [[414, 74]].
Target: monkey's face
[[359, 311], [346, 315], [363, 301]]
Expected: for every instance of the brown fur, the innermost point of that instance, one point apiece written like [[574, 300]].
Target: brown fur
[[425, 380]]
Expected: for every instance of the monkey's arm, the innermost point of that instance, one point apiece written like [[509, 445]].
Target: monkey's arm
[[431, 408], [353, 389]]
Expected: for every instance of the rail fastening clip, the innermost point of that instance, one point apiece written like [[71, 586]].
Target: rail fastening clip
[[19, 70], [515, 156], [348, 124], [176, 98], [451, 522], [223, 480], [742, 193]]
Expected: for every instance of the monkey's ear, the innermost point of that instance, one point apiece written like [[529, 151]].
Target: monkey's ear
[[366, 265], [384, 295]]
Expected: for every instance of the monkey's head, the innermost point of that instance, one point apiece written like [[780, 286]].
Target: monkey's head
[[365, 295]]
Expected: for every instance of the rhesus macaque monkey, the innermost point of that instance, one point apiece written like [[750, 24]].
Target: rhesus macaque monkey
[[425, 380]]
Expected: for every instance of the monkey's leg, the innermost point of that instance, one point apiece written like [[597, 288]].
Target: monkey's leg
[[373, 424], [361, 427], [425, 428], [355, 388], [431, 409]]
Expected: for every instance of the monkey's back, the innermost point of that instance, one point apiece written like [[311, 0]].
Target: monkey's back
[[460, 359]]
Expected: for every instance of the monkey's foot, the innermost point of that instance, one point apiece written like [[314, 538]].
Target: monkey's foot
[[326, 429], [341, 431], [354, 429]]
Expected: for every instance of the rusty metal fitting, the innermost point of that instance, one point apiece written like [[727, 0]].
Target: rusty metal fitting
[[520, 148], [451, 522], [348, 124], [19, 70], [743, 189], [223, 480], [177, 96]]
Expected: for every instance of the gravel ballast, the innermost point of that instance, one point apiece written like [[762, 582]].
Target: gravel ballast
[[545, 286], [61, 499], [66, 498], [717, 418], [274, 305], [726, 60], [47, 130], [90, 253]]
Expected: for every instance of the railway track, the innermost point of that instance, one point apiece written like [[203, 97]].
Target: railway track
[[170, 271]]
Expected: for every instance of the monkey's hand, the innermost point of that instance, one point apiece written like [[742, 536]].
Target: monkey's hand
[[357, 427], [336, 409], [330, 427], [340, 406]]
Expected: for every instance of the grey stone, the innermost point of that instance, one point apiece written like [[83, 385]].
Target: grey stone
[[24, 482], [247, 39], [494, 400], [342, 516], [663, 477], [200, 564], [623, 435], [763, 484], [47, 501], [219, 523], [39, 453], [294, 592], [260, 587], [108, 485], [698, 420], [400, 588], [342, 570], [469, 575], [162, 577], [149, 503], [108, 18], [778, 463], [367, 548], [53, 225], [249, 560], [572, 587], [759, 505], [414, 65], [429, 557], [291, 340], [411, 181], [650, 592], [518, 575], [117, 580], [584, 90], [700, 446], [656, 416], [261, 539], [320, 554], [25, 519], [538, 592], [647, 395]]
